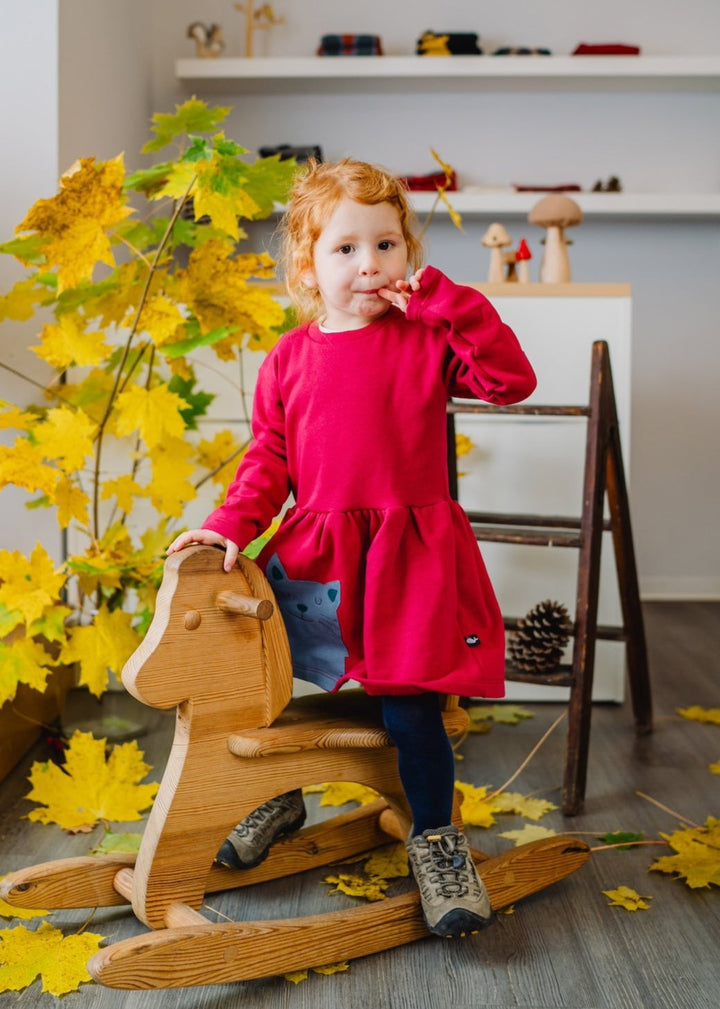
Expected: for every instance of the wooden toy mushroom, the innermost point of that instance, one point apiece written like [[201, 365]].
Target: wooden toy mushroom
[[555, 212], [522, 259], [495, 239]]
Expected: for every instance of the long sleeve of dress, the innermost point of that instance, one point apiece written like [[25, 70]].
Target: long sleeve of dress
[[487, 361], [262, 483]]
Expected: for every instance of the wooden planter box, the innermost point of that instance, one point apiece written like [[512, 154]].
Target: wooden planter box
[[24, 717]]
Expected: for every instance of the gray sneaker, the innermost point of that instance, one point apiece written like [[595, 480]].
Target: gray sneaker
[[249, 842], [454, 898]]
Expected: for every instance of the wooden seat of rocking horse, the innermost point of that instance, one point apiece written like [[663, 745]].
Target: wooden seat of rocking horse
[[217, 651]]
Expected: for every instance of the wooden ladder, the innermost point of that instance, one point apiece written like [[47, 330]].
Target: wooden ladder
[[604, 474]]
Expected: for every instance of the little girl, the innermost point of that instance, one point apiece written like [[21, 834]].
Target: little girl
[[375, 568]]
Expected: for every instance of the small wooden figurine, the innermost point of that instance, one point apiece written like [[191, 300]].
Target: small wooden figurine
[[209, 41], [555, 212], [262, 17], [496, 239], [522, 261]]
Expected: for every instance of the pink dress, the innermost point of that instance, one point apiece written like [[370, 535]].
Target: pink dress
[[375, 568]]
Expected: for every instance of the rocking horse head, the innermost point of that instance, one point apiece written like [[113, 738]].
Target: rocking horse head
[[217, 639]]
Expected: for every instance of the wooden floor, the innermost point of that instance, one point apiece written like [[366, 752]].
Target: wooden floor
[[565, 948]]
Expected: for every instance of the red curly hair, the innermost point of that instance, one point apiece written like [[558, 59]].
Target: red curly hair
[[315, 194]]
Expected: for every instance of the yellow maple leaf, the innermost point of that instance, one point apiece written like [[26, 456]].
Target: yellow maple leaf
[[388, 862], [22, 661], [338, 793], [153, 413], [215, 287], [73, 222], [170, 488], [89, 788], [160, 317], [699, 714], [625, 896], [222, 207], [66, 342], [354, 885], [505, 714], [125, 489], [46, 953], [104, 645], [20, 301], [514, 802], [8, 911], [296, 976], [715, 768], [13, 416], [23, 465], [71, 501], [212, 453], [66, 437], [475, 808], [463, 444], [697, 858], [528, 833], [29, 585]]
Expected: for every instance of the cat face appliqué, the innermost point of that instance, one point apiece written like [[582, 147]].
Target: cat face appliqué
[[310, 612]]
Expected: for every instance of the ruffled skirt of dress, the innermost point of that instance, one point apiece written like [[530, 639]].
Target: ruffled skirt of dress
[[397, 599]]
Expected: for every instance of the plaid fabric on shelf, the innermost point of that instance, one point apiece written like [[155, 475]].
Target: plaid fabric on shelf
[[350, 45]]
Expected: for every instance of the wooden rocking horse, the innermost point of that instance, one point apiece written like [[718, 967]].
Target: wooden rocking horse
[[217, 650]]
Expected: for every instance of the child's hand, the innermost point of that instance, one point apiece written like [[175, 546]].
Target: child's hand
[[208, 538], [400, 297]]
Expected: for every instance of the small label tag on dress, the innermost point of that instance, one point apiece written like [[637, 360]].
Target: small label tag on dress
[[472, 640]]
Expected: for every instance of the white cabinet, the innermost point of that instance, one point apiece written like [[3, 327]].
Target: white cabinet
[[534, 465]]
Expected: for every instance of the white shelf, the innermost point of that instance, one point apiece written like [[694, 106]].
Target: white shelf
[[509, 202], [314, 71], [316, 74]]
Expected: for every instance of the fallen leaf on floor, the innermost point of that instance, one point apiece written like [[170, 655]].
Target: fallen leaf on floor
[[388, 862], [505, 714], [297, 976], [118, 844], [628, 898], [528, 833], [697, 858], [88, 788], [514, 802], [475, 810], [8, 911], [624, 839], [339, 793], [699, 714], [59, 960], [355, 885]]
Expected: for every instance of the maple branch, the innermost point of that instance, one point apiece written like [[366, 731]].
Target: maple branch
[[126, 352], [221, 465], [621, 844], [666, 809], [529, 757]]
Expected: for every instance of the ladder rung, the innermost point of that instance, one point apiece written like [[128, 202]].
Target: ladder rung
[[560, 677], [526, 537], [525, 409], [607, 632], [539, 521]]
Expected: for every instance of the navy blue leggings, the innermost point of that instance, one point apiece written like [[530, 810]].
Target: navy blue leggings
[[425, 757]]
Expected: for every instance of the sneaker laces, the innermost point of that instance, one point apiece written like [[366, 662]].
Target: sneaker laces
[[256, 818], [449, 872]]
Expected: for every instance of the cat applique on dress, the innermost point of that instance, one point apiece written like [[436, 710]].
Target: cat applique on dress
[[309, 610]]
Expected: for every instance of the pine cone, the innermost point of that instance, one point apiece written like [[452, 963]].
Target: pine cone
[[537, 645]]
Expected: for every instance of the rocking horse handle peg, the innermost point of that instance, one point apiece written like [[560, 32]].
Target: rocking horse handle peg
[[248, 606]]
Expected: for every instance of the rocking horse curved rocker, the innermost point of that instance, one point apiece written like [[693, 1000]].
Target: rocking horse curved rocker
[[217, 651]]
